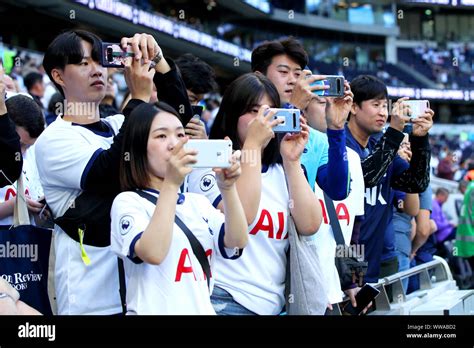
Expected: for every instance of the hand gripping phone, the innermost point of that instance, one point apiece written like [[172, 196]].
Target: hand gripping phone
[[366, 295], [113, 56], [291, 121], [197, 111], [417, 107], [335, 83], [211, 153]]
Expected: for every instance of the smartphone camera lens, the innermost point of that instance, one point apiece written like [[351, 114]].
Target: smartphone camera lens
[[110, 57], [338, 86]]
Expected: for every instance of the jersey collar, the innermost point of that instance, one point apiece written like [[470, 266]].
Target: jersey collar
[[180, 199]]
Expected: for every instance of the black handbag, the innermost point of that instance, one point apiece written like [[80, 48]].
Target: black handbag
[[351, 269], [90, 212]]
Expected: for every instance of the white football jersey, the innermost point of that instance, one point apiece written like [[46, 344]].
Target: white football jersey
[[31, 182], [203, 181], [178, 285], [346, 210], [65, 153], [256, 280]]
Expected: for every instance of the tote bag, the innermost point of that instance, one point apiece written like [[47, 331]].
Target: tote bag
[[24, 256], [305, 290]]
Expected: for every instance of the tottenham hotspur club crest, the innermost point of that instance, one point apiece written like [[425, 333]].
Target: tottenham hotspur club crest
[[125, 224], [207, 182]]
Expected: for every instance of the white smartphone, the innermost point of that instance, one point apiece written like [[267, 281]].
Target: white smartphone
[[211, 153], [417, 107]]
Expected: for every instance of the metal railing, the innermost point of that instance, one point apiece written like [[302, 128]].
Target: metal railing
[[434, 278]]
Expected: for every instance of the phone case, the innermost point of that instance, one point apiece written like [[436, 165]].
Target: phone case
[[112, 55], [417, 107], [291, 119], [211, 153], [335, 83]]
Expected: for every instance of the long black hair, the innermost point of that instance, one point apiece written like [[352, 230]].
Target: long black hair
[[240, 97]]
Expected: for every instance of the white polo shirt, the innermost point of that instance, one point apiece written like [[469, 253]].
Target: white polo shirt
[[256, 280], [64, 155], [346, 211], [178, 285]]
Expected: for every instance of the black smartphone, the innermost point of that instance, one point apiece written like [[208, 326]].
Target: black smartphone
[[46, 207], [197, 111], [366, 295]]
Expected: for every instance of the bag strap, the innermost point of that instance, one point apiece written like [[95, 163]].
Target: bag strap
[[334, 221], [20, 210], [122, 285], [198, 250]]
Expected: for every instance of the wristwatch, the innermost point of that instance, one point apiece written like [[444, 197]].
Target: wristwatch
[[156, 60]]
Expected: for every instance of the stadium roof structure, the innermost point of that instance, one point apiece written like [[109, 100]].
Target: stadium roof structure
[[121, 19]]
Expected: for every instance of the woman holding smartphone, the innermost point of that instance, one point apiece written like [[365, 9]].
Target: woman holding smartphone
[[271, 187], [163, 274]]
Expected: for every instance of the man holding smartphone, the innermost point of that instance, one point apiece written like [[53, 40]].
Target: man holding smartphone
[[78, 159], [351, 208], [324, 159], [382, 168], [199, 79]]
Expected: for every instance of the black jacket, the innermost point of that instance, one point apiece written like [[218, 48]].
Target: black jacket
[[415, 179], [11, 160]]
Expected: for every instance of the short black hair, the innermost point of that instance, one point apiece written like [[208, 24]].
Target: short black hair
[[66, 49], [26, 113], [198, 76], [366, 87], [134, 172], [239, 98], [262, 55], [31, 79]]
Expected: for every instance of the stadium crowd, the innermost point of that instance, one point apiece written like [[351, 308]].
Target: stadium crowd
[[164, 237]]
